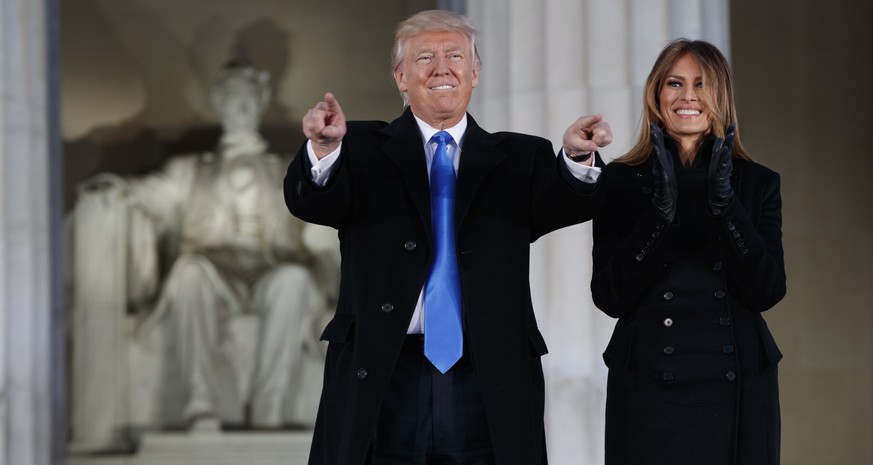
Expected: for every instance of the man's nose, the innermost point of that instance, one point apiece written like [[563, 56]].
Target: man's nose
[[440, 65]]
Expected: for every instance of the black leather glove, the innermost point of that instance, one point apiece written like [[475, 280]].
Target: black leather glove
[[720, 167], [665, 190]]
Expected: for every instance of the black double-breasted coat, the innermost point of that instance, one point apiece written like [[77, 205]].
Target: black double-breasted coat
[[692, 365], [511, 189]]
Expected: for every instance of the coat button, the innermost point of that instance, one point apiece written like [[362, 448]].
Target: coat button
[[668, 322], [669, 350], [361, 373], [716, 266], [724, 321], [299, 187], [639, 257], [668, 295], [669, 266], [736, 234], [410, 245], [719, 294], [387, 307], [650, 243], [728, 349], [667, 376], [730, 376]]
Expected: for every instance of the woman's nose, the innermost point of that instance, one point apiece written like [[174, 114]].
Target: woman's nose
[[689, 95]]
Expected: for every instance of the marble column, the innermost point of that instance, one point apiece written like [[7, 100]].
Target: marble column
[[30, 338], [545, 64]]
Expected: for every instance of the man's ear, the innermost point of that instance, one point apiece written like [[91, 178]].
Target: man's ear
[[400, 79]]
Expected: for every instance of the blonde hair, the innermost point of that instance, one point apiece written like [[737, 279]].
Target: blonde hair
[[719, 95], [431, 21]]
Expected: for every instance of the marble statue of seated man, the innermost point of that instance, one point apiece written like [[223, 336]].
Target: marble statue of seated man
[[209, 241]]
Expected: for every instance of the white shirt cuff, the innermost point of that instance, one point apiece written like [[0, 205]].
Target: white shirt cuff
[[321, 169]]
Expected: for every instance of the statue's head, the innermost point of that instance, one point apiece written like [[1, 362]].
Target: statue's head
[[240, 95]]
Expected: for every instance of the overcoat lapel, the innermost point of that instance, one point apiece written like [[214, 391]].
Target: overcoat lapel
[[404, 147], [478, 158]]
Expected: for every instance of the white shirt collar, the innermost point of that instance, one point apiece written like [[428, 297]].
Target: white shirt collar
[[456, 131]]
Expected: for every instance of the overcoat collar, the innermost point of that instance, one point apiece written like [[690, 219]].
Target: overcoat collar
[[479, 156]]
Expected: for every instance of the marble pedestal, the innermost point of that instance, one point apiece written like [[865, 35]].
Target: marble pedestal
[[218, 448]]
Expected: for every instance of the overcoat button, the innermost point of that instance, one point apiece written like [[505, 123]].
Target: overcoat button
[[724, 321], [716, 266], [650, 243], [668, 295], [736, 234], [668, 322], [639, 257], [410, 245], [669, 350], [730, 376], [669, 266], [728, 349], [719, 294], [387, 307], [361, 373], [299, 187], [667, 376]]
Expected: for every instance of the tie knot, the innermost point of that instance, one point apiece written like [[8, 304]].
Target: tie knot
[[442, 137]]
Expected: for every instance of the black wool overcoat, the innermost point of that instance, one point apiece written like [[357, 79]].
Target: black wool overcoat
[[692, 365], [511, 190]]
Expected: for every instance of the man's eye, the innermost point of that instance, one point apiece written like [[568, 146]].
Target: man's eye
[[456, 56], [425, 59]]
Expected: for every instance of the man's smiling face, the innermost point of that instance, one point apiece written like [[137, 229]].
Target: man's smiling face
[[438, 74]]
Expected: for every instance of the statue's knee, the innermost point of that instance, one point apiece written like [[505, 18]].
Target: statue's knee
[[190, 280], [188, 271], [291, 273], [289, 283]]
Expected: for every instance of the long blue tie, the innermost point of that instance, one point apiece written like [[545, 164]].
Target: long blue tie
[[443, 339]]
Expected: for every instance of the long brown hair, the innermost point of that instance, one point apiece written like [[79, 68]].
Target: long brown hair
[[717, 81]]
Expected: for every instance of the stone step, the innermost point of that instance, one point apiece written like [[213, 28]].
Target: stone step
[[211, 448]]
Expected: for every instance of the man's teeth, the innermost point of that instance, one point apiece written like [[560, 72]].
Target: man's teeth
[[443, 87], [688, 112]]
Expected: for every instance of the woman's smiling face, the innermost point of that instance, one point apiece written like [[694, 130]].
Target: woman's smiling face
[[683, 102]]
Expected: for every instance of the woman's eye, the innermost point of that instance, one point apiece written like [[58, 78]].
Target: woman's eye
[[699, 85], [676, 84]]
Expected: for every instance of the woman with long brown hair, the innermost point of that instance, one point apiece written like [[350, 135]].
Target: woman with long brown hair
[[687, 254]]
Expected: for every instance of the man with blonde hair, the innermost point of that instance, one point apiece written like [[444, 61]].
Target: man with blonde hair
[[434, 352]]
